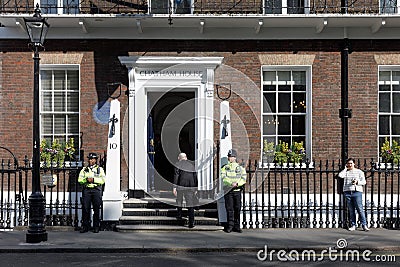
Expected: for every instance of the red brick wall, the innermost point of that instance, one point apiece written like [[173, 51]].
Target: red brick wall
[[363, 99], [326, 124], [100, 65]]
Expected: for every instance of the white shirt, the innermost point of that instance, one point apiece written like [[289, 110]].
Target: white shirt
[[349, 176]]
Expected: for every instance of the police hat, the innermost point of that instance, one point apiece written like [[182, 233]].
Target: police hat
[[232, 153], [92, 156]]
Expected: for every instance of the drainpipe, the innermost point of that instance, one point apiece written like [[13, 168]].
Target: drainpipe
[[344, 6], [345, 113]]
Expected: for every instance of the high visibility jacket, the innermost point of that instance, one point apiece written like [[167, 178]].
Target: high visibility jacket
[[233, 173], [95, 172]]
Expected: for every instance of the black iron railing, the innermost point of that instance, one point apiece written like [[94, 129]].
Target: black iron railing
[[306, 195], [60, 188], [216, 7], [309, 195]]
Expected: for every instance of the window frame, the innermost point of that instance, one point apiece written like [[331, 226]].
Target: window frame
[[285, 9], [387, 10], [58, 8], [171, 6], [390, 134], [308, 114], [62, 67]]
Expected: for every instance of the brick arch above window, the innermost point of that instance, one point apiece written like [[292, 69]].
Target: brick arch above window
[[387, 59], [286, 59], [58, 58]]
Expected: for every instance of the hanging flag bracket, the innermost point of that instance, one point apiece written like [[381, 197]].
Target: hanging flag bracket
[[224, 86], [112, 87]]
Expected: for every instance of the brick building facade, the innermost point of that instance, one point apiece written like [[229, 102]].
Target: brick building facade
[[99, 65], [285, 74]]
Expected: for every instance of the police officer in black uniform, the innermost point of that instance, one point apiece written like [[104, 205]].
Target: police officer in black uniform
[[185, 185], [92, 179]]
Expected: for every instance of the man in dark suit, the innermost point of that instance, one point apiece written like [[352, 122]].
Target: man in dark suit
[[185, 185]]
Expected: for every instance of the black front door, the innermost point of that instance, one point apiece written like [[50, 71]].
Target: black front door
[[173, 124]]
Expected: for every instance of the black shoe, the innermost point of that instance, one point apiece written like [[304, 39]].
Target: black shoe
[[228, 230], [84, 230], [237, 230], [96, 230], [191, 226], [179, 218]]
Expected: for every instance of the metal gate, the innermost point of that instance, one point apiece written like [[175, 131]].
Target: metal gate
[[13, 204]]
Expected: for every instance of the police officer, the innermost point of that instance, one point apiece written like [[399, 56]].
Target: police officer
[[234, 178], [91, 178]]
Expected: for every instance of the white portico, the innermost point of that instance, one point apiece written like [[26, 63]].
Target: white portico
[[162, 75]]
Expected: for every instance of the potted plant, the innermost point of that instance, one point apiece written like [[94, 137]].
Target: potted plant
[[57, 152], [297, 152], [268, 151], [281, 153], [390, 153], [69, 150], [386, 152]]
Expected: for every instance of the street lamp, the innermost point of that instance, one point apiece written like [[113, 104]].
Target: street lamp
[[37, 28]]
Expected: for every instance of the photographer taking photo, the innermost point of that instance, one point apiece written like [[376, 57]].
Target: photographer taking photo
[[354, 180]]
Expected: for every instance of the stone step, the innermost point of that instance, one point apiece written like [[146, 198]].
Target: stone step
[[149, 202], [141, 227], [170, 212], [163, 220], [150, 214]]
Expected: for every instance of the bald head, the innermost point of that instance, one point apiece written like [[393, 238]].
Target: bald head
[[182, 156]]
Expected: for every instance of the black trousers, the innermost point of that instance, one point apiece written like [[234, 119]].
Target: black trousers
[[233, 201], [189, 198], [91, 196]]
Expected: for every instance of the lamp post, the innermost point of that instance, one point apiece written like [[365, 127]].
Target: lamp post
[[37, 28]]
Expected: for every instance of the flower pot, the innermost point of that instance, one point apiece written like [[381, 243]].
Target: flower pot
[[268, 158], [384, 166]]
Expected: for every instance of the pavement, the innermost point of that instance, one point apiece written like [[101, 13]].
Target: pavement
[[192, 241]]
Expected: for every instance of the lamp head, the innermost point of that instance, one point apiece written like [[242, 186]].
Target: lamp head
[[37, 27]]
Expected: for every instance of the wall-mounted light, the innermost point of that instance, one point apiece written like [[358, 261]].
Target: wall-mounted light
[[139, 26], [378, 25], [20, 23], [83, 25], [321, 26], [259, 25], [202, 23]]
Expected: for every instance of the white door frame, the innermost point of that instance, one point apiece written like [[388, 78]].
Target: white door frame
[[167, 73]]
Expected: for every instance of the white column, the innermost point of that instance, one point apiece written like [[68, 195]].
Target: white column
[[112, 199], [225, 137], [131, 129], [206, 131]]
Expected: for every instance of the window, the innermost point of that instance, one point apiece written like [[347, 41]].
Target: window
[[59, 103], [388, 6], [286, 95], [389, 105], [59, 6], [164, 6], [285, 6]]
